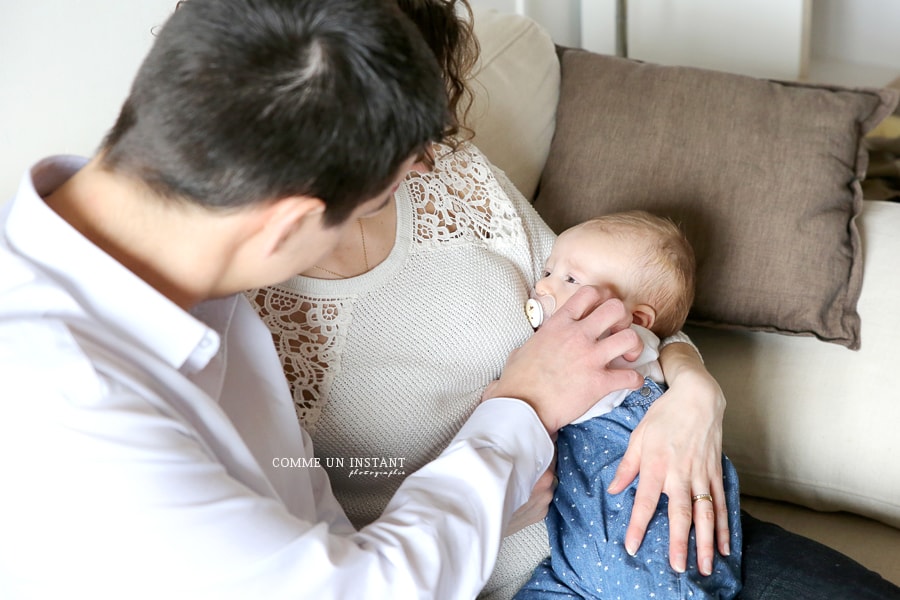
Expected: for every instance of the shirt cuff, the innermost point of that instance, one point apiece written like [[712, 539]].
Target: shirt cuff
[[512, 427]]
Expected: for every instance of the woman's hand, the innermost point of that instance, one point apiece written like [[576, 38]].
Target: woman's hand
[[535, 509], [677, 449]]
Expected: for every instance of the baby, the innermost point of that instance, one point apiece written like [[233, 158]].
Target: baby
[[648, 264]]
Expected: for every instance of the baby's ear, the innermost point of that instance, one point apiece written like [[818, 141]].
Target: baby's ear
[[643, 315]]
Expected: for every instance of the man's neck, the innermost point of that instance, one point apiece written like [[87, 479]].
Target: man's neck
[[172, 246]]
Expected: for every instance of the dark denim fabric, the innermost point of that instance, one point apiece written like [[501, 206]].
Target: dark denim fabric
[[780, 565]]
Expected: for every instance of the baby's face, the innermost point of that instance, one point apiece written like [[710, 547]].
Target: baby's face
[[585, 256]]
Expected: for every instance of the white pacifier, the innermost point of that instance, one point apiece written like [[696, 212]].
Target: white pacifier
[[539, 308]]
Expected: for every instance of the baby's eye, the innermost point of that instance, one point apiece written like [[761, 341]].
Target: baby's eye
[[570, 279], [545, 273]]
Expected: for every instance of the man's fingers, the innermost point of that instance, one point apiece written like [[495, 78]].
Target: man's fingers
[[626, 343], [584, 301], [604, 317], [610, 319], [535, 508], [600, 313], [569, 357], [623, 379]]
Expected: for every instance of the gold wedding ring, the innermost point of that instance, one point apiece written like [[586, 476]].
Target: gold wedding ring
[[701, 497]]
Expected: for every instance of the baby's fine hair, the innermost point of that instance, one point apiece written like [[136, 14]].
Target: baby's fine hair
[[667, 267]]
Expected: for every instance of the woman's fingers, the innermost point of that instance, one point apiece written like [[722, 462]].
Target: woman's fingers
[[680, 479], [646, 499], [720, 506], [680, 519], [704, 526]]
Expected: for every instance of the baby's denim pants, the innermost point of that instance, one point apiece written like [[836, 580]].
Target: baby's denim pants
[[587, 525]]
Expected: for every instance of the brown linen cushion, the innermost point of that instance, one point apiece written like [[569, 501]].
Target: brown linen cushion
[[763, 176]]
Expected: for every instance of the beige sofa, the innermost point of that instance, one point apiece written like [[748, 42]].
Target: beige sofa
[[811, 426]]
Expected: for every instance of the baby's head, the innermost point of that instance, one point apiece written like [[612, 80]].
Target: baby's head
[[642, 259]]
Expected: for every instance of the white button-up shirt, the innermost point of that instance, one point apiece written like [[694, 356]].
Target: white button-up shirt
[[151, 452]]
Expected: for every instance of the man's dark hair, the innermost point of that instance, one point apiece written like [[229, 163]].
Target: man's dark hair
[[244, 101]]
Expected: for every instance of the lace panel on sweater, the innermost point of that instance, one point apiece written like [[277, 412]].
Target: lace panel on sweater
[[309, 335], [460, 200]]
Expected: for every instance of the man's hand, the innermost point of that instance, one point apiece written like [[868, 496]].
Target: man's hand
[[563, 369], [536, 508]]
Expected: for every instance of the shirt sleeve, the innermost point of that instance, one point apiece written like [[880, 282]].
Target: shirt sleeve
[[444, 525], [440, 533], [128, 502]]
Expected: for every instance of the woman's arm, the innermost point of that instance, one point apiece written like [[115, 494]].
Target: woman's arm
[[677, 448]]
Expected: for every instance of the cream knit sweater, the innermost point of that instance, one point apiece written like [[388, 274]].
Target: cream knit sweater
[[389, 364]]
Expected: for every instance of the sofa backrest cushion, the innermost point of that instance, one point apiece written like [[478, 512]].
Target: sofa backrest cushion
[[516, 88], [762, 175]]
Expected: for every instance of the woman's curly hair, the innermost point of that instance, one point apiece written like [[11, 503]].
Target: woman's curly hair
[[448, 32]]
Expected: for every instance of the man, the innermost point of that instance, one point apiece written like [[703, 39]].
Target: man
[[150, 444]]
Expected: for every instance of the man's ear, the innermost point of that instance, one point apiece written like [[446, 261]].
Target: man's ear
[[643, 315], [285, 217]]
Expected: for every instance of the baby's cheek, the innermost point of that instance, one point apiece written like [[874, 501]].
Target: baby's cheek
[[563, 296]]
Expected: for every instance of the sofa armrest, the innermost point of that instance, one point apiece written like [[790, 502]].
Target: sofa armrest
[[814, 423]]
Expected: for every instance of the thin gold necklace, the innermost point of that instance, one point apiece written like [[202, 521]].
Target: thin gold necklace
[[362, 235]]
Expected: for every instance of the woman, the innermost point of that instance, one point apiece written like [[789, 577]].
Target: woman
[[454, 254]]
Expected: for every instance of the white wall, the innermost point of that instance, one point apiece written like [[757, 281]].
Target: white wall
[[561, 18], [854, 42], [857, 31], [65, 67], [722, 35]]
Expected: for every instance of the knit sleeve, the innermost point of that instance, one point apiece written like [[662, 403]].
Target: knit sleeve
[[680, 337], [540, 236]]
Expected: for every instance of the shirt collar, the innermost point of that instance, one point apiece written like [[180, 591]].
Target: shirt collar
[[103, 288]]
